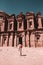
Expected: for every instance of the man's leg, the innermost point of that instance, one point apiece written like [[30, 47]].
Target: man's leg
[[20, 51]]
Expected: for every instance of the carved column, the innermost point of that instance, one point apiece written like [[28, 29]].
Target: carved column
[[15, 40], [27, 39], [23, 38], [32, 40], [10, 39]]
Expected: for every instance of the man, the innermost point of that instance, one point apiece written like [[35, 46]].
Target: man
[[20, 45], [20, 49]]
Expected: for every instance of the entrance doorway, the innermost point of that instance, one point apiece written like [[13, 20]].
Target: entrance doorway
[[20, 40]]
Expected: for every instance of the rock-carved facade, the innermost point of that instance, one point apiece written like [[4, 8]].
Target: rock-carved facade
[[27, 29]]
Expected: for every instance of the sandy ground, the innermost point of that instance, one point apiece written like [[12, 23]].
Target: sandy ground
[[30, 56]]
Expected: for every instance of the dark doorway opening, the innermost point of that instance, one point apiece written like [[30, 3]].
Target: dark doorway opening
[[20, 40]]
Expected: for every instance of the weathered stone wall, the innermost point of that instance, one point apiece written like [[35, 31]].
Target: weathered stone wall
[[15, 28]]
